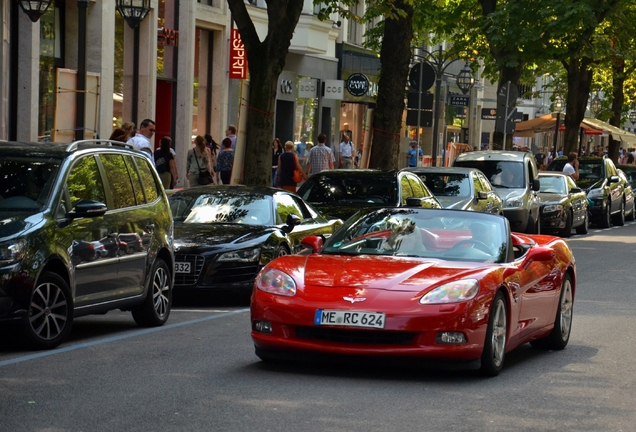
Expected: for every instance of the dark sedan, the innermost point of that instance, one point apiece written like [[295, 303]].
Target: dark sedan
[[341, 193], [224, 235], [461, 189], [563, 205]]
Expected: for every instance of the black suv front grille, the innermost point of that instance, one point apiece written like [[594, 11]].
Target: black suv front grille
[[370, 337], [196, 264]]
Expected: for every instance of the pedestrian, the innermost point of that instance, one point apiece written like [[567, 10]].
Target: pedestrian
[[198, 159], [129, 128], [288, 162], [540, 158], [346, 131], [230, 133], [225, 161], [213, 146], [118, 134], [413, 154], [571, 168], [320, 157], [141, 140], [277, 150], [345, 153], [301, 150], [165, 163]]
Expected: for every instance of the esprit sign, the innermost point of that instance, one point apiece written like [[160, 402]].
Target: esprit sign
[[238, 59], [167, 37]]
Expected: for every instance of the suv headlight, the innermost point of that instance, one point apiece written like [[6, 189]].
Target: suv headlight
[[243, 255], [516, 201], [11, 253], [453, 292], [277, 282], [552, 208]]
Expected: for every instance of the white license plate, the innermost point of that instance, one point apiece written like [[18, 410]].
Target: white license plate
[[349, 318], [182, 267]]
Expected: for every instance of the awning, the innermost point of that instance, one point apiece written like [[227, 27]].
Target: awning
[[591, 126], [617, 133]]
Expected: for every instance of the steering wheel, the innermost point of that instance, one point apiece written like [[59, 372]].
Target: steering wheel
[[475, 243]]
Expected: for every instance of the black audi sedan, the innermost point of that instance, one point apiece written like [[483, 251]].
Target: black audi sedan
[[341, 193], [563, 205], [460, 188], [224, 235]]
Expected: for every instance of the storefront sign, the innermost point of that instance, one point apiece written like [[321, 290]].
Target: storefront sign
[[489, 113], [238, 58], [459, 100], [286, 86], [333, 89], [358, 84], [308, 88], [168, 37]]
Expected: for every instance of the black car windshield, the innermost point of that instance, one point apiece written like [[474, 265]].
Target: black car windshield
[[423, 233], [26, 182], [589, 169], [502, 174], [553, 184], [451, 185], [350, 189], [250, 209]]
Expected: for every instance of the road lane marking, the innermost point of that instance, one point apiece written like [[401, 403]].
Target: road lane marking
[[116, 338]]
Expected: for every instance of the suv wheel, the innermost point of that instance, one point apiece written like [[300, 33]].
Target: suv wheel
[[619, 218], [605, 217], [155, 309], [50, 312]]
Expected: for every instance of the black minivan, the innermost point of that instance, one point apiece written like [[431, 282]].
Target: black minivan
[[84, 228]]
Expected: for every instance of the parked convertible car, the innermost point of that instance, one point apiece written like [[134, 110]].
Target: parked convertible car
[[563, 205], [461, 188], [341, 193], [225, 234], [419, 283]]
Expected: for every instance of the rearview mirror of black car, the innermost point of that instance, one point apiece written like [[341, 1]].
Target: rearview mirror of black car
[[291, 222], [88, 208]]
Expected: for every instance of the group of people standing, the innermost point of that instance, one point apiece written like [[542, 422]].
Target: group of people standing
[[204, 156]]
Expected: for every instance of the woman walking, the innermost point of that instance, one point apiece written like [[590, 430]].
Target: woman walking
[[165, 164], [287, 163], [277, 148], [225, 161], [199, 159]]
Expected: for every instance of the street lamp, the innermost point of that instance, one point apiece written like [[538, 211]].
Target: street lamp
[[134, 12], [632, 116], [558, 107], [440, 60], [34, 8], [595, 106]]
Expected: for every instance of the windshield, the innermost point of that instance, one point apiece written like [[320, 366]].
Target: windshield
[[25, 182], [423, 233], [350, 189], [590, 170], [553, 184], [211, 208], [450, 185], [502, 174]]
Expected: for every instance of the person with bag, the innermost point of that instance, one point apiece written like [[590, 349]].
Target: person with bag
[[165, 164], [199, 164], [225, 161], [289, 172]]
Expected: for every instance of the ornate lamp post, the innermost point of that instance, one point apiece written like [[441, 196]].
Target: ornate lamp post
[[134, 12], [465, 79], [558, 107], [34, 8], [632, 116], [595, 105]]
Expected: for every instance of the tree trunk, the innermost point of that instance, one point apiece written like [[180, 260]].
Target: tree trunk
[[579, 82], [395, 57], [618, 97]]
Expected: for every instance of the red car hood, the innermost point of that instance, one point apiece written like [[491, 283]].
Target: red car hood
[[382, 272]]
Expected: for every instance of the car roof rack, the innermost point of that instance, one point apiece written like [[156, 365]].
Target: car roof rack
[[110, 143]]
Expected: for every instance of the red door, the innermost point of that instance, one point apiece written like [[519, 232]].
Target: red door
[[163, 110]]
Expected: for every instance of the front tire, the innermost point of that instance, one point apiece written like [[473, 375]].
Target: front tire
[[619, 218], [155, 309], [492, 358], [567, 230], [585, 227], [606, 220], [560, 336], [50, 312], [281, 251]]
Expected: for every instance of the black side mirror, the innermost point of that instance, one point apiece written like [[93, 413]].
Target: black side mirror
[[536, 185], [576, 190], [614, 179], [482, 195], [87, 208], [292, 221], [414, 202]]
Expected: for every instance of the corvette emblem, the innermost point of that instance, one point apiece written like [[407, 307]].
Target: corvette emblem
[[354, 299]]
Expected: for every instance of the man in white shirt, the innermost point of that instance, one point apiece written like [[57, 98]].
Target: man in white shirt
[[571, 168], [345, 153], [141, 141]]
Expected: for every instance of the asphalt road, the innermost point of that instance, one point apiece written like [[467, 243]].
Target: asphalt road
[[199, 373]]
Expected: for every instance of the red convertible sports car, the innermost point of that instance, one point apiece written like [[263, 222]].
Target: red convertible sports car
[[418, 283]]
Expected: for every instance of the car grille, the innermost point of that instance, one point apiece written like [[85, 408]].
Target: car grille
[[223, 273], [371, 337], [196, 263]]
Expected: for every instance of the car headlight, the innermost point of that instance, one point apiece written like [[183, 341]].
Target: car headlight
[[453, 292], [514, 202], [11, 253], [276, 282], [552, 208], [243, 255]]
